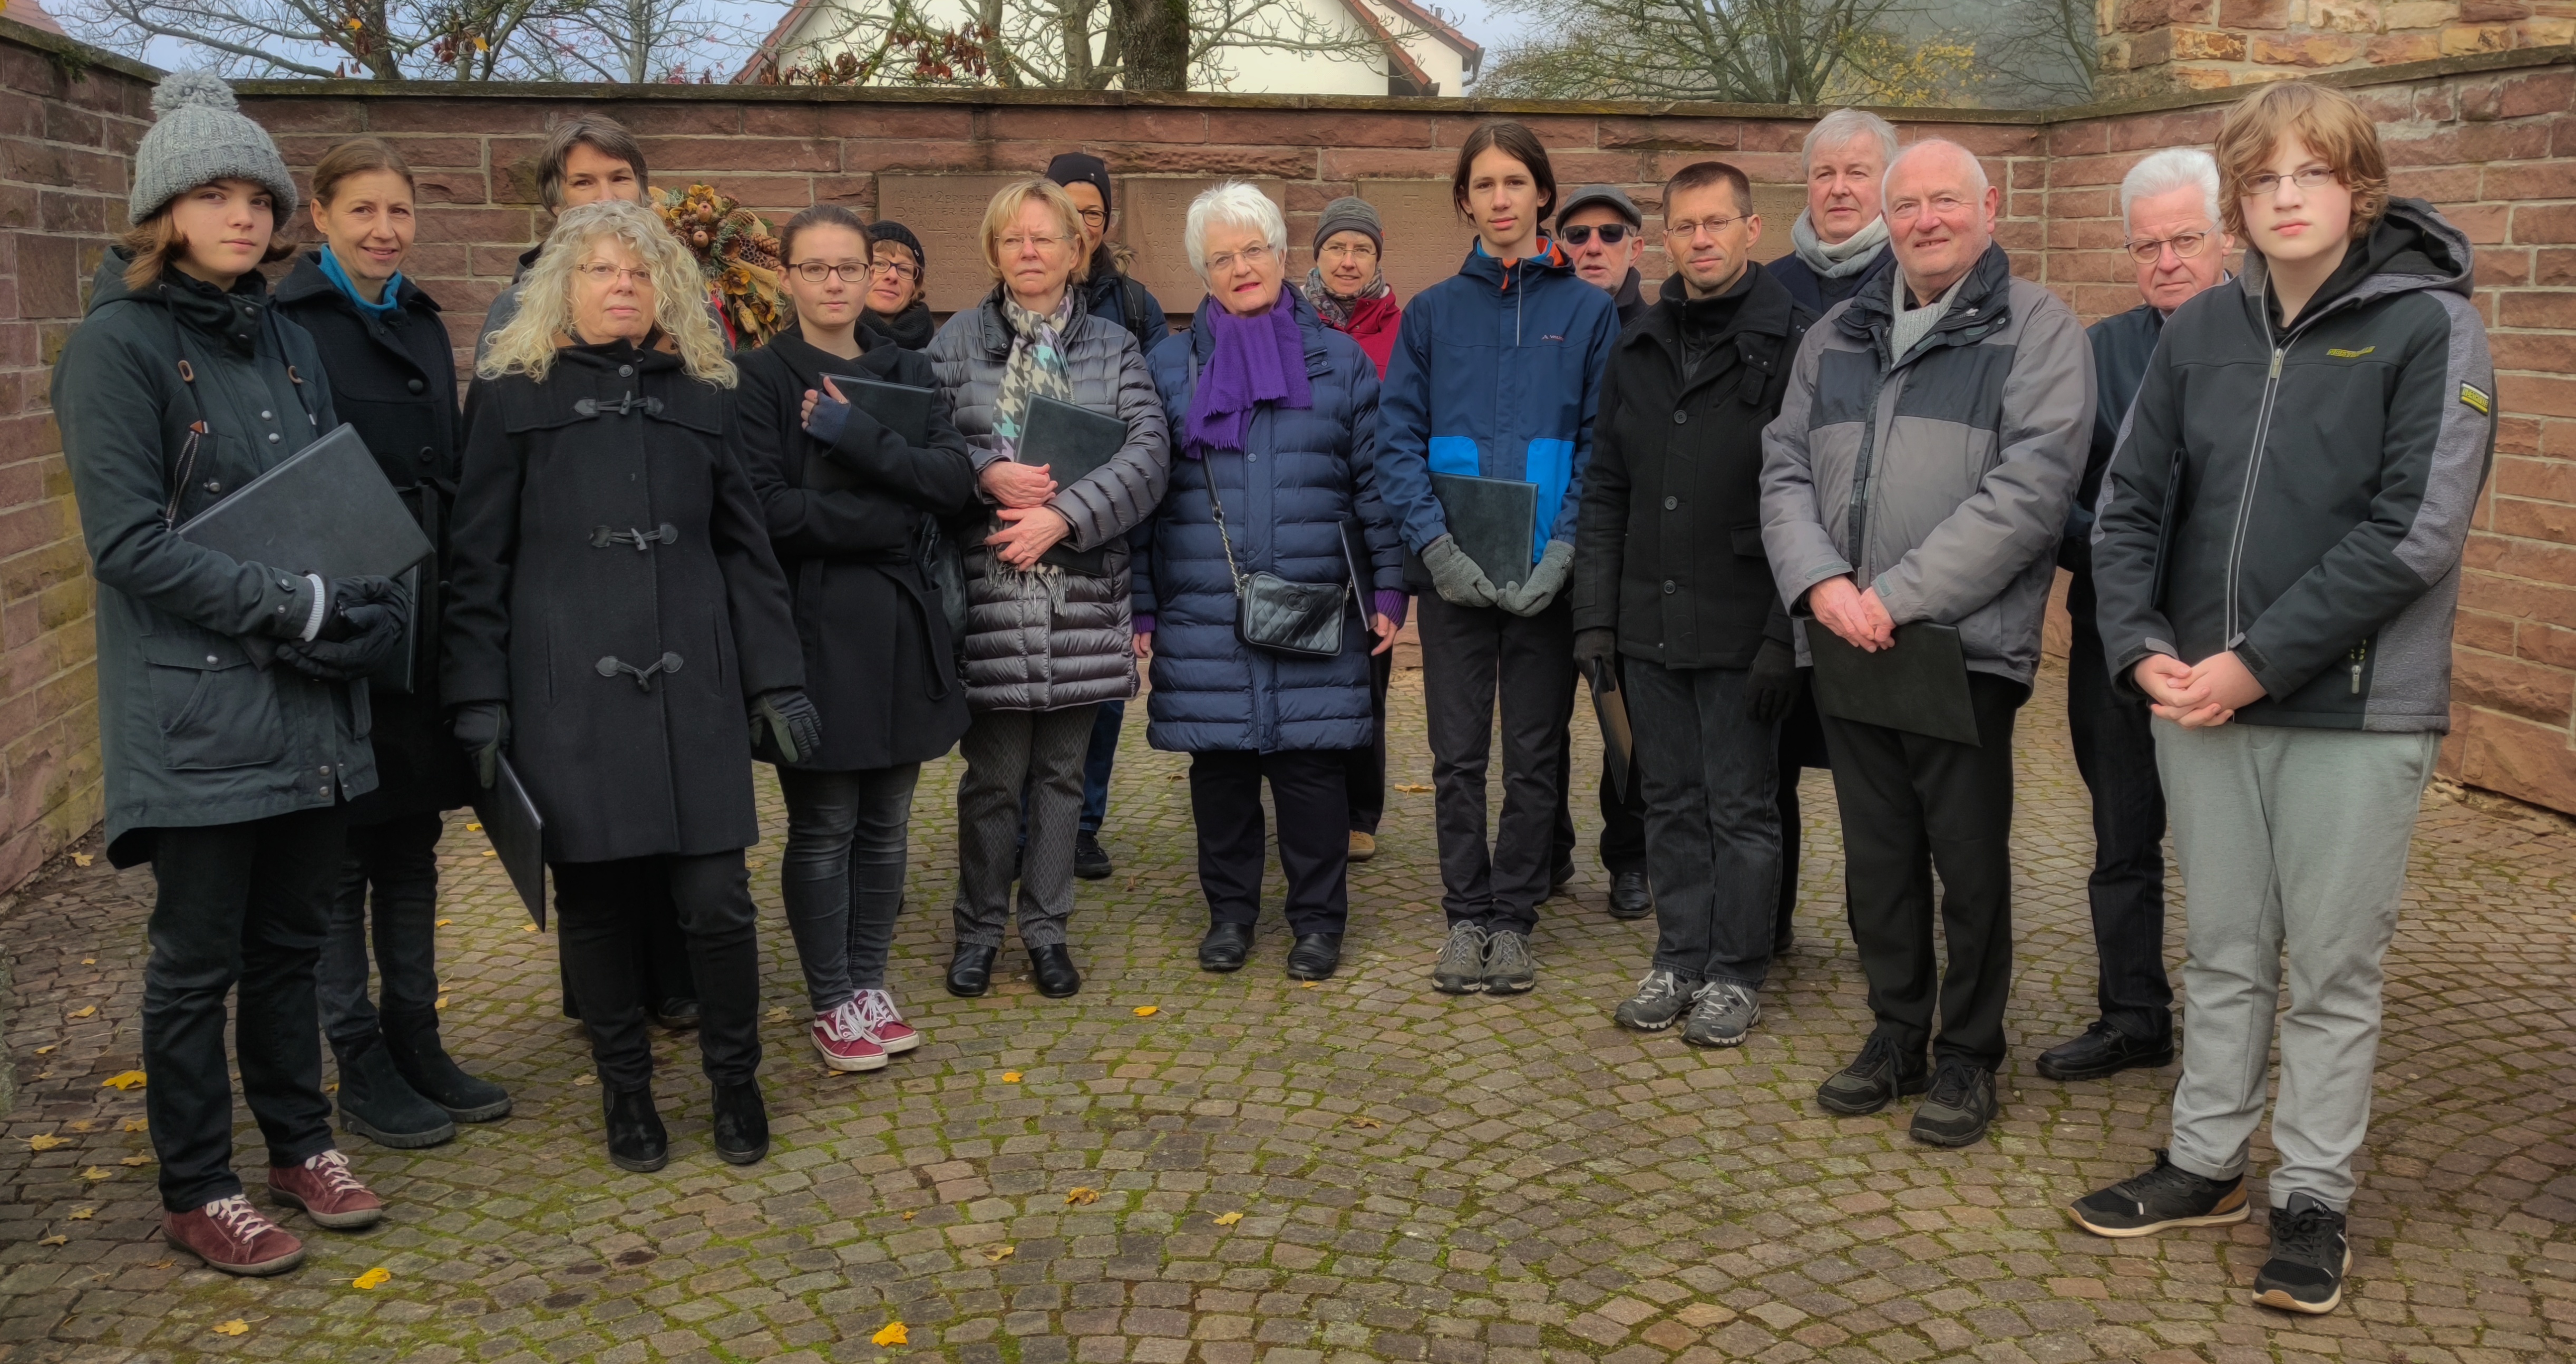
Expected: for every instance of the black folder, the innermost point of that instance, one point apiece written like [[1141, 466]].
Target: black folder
[[1074, 442], [1919, 686], [1356, 558], [325, 509], [900, 408], [1495, 520], [518, 835], [1618, 742]]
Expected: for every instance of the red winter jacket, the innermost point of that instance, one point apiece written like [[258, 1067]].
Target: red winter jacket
[[1373, 323]]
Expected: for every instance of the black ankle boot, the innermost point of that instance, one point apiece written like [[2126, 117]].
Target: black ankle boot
[[376, 1103], [636, 1139], [970, 971], [427, 1068], [742, 1124]]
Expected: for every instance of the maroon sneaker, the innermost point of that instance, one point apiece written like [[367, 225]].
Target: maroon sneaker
[[230, 1236], [844, 1041], [323, 1187], [877, 1014]]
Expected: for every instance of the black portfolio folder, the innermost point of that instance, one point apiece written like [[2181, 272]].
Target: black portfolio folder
[[1618, 741], [1073, 442], [900, 408], [518, 835], [1919, 686], [1495, 520], [1355, 557], [325, 509]]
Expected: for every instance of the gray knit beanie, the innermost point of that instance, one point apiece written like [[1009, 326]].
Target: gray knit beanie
[[200, 136], [1350, 215]]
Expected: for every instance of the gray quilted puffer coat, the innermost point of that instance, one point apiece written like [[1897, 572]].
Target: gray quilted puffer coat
[[1057, 638]]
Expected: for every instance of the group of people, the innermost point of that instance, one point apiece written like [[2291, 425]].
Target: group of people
[[660, 558]]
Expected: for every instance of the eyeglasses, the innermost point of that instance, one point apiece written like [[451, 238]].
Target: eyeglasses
[[601, 272], [815, 272], [1689, 231], [1940, 205], [2186, 245], [1016, 243], [903, 271], [1256, 255], [1611, 234], [1095, 217], [2261, 183], [1362, 249]]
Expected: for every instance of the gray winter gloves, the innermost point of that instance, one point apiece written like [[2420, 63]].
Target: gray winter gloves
[[483, 728], [1543, 583], [362, 626], [1772, 687], [785, 727], [1455, 576]]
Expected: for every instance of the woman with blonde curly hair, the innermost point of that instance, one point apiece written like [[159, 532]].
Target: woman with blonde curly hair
[[615, 614]]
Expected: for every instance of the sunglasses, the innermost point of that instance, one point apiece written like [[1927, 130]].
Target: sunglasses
[[1611, 234]]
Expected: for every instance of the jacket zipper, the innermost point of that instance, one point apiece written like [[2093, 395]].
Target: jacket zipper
[[2360, 655], [2254, 463]]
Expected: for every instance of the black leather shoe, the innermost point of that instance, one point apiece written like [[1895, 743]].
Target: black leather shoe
[[636, 1140], [1629, 896], [2103, 1050], [1090, 860], [742, 1124], [970, 970], [1315, 956], [1053, 966], [1225, 947], [677, 1013]]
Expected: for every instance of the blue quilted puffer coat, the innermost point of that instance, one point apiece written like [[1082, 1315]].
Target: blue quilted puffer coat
[[1304, 471]]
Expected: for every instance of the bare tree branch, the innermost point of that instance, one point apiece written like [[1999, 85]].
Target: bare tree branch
[[1757, 51]]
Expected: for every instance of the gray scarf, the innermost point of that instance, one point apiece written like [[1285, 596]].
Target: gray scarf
[[1848, 257]]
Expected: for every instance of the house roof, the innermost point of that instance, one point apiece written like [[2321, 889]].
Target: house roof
[[786, 28], [1438, 28], [31, 14]]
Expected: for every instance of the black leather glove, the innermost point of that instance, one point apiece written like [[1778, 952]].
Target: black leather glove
[[483, 727], [361, 630], [785, 727], [348, 594], [1772, 687], [1598, 645]]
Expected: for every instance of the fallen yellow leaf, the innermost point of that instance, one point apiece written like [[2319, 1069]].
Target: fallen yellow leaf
[[53, 1240], [94, 1174], [445, 922], [138, 1125], [1309, 985], [893, 1334], [82, 1214], [441, 1004], [331, 1088], [585, 1079], [1358, 1121], [1227, 1219], [1411, 788], [46, 1051], [132, 1079], [89, 961], [1010, 1077], [46, 1141], [377, 1277], [80, 1125], [1082, 1195], [907, 1215], [487, 852], [161, 1264], [83, 1011], [473, 828], [527, 928], [234, 1327], [1146, 1011], [82, 859], [136, 1161], [997, 1254]]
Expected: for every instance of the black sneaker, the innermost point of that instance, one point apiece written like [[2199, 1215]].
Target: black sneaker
[[1960, 1107], [2164, 1197], [1879, 1076], [1090, 861], [2309, 1259], [2103, 1050]]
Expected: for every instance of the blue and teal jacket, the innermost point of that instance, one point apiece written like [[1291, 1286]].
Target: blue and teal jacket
[[1496, 372]]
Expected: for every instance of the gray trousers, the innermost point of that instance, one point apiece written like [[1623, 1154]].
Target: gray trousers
[[1008, 752], [2296, 839]]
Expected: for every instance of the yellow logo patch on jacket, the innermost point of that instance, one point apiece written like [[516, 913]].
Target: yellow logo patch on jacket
[[2351, 354], [2476, 398]]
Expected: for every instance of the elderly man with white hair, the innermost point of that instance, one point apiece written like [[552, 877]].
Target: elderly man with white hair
[[1243, 580], [1919, 473], [2169, 209], [1840, 242]]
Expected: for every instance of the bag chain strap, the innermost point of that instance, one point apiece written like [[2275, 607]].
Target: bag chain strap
[[1222, 537]]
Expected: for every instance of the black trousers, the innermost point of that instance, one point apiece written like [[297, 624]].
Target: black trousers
[[1712, 804], [242, 905], [1314, 835], [396, 858], [1802, 745], [1623, 814], [2115, 750], [661, 953], [1471, 658], [603, 909], [1912, 805], [1364, 769]]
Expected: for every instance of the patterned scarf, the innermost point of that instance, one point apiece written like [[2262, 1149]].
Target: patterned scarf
[[1335, 309], [1036, 368]]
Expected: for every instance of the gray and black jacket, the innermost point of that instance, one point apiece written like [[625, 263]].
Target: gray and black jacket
[[1940, 476], [2300, 493]]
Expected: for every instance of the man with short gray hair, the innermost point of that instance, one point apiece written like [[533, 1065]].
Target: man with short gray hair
[[1840, 242], [2169, 214]]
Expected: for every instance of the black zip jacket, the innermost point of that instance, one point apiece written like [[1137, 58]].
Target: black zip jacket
[[2299, 492]]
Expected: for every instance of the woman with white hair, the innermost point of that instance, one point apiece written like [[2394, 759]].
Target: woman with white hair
[[615, 616], [1277, 420]]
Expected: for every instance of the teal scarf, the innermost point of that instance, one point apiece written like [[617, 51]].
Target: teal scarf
[[340, 279]]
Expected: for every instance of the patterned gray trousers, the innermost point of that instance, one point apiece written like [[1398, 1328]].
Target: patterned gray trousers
[[1009, 752]]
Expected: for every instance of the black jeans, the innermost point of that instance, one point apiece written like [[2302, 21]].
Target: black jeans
[[1912, 805], [1802, 745], [2115, 750], [1623, 814], [602, 908], [398, 857], [1712, 806], [847, 837], [1364, 769], [1472, 656], [1314, 835], [239, 904], [661, 953]]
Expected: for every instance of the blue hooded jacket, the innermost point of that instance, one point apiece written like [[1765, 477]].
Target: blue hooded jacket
[[1497, 372]]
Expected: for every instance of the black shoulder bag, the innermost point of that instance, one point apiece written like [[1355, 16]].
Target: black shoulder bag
[[1270, 612]]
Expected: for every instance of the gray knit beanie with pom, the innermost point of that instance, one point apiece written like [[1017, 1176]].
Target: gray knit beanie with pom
[[200, 136]]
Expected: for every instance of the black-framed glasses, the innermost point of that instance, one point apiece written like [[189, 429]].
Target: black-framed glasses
[[1611, 234], [904, 272], [815, 272], [2186, 245]]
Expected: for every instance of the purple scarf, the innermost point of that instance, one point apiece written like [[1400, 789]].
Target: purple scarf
[[1259, 359]]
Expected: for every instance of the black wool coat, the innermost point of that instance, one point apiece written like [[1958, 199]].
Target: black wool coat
[[394, 379], [613, 584], [1668, 549], [879, 661]]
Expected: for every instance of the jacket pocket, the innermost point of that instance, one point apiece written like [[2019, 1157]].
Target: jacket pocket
[[214, 709], [1747, 540]]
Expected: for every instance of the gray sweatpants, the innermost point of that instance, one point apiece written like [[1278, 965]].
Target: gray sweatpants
[[2291, 838]]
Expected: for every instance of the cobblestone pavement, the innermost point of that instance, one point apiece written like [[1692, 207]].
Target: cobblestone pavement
[[1360, 1170]]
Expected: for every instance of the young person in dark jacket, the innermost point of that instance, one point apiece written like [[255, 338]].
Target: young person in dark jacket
[[617, 618], [2169, 204], [853, 511], [2330, 417], [231, 701], [1669, 575], [393, 376], [1497, 373], [898, 284], [1839, 244]]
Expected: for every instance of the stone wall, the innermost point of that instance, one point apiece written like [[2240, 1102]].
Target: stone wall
[[2151, 46]]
